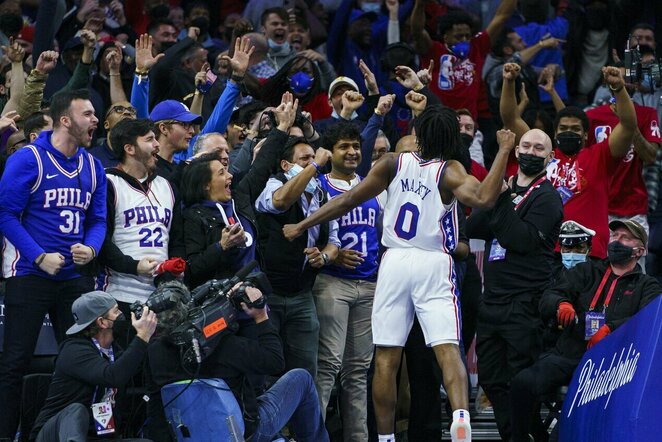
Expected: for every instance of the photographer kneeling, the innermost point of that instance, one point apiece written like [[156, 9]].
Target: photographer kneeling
[[89, 371], [292, 398]]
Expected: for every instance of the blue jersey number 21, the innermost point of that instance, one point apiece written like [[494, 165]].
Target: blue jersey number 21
[[407, 221]]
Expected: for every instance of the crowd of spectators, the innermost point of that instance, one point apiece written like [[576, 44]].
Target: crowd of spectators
[[148, 141]]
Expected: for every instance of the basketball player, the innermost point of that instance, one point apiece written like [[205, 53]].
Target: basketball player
[[143, 216], [53, 218], [416, 275]]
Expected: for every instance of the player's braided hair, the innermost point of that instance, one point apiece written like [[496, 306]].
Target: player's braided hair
[[438, 133]]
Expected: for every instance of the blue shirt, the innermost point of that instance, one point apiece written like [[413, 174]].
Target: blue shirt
[[48, 203]]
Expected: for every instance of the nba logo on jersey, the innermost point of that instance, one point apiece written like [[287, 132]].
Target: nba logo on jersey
[[655, 129], [446, 72], [602, 133]]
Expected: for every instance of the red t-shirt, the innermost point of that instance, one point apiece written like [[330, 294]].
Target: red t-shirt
[[457, 82], [318, 107], [586, 175], [627, 190], [478, 171]]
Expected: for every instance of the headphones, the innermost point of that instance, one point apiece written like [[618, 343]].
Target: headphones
[[393, 56]]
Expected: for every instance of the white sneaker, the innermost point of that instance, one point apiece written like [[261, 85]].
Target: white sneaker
[[461, 427]]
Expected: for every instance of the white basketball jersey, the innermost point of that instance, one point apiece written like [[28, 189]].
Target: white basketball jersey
[[414, 215], [142, 226]]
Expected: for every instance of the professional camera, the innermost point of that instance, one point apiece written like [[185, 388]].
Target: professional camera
[[636, 70], [212, 310], [163, 298]]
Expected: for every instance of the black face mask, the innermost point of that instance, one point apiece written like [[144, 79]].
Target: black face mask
[[167, 45], [618, 253], [531, 165], [464, 155], [569, 142], [201, 23]]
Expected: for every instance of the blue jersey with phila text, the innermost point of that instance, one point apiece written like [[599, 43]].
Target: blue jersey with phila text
[[48, 203], [357, 231]]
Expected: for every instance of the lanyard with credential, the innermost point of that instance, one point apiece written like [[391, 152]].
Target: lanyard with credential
[[111, 356], [599, 291], [528, 192]]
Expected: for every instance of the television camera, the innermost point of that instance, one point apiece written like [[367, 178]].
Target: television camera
[[637, 70], [211, 309]]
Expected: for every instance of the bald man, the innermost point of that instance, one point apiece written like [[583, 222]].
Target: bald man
[[406, 144], [520, 234]]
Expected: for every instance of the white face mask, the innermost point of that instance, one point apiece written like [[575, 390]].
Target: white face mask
[[278, 47], [371, 7], [294, 171]]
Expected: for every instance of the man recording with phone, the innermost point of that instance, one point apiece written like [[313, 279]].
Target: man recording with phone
[[291, 399]]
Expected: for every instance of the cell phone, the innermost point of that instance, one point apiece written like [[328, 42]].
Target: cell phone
[[211, 79]]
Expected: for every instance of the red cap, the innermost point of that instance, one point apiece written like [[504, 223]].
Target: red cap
[[27, 34]]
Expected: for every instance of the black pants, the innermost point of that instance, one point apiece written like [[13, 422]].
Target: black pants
[[27, 301], [508, 341], [472, 291], [424, 381], [544, 377]]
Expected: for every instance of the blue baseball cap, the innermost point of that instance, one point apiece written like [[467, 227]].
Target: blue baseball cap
[[358, 14], [174, 110]]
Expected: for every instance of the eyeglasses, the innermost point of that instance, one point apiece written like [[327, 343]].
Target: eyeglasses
[[121, 109], [186, 126]]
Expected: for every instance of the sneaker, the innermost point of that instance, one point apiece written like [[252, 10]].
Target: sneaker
[[461, 429]]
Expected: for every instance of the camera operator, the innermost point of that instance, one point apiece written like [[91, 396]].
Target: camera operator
[[291, 399], [90, 370]]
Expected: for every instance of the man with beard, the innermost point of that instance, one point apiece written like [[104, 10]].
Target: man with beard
[[590, 301], [144, 222], [520, 232], [117, 112], [581, 172], [53, 218]]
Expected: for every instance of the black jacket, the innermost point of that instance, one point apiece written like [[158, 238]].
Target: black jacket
[[284, 260], [578, 285], [203, 225], [233, 359], [80, 369], [529, 236]]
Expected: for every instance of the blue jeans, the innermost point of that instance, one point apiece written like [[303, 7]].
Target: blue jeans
[[292, 398]]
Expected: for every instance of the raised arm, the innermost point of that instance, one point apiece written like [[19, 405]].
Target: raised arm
[[422, 40], [375, 183], [510, 116], [621, 137], [114, 59], [471, 192], [501, 16]]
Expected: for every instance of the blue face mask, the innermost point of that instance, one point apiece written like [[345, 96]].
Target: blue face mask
[[278, 47], [300, 83], [294, 171], [572, 259], [371, 7], [461, 49]]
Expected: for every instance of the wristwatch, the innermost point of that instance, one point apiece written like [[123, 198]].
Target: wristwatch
[[325, 258]]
